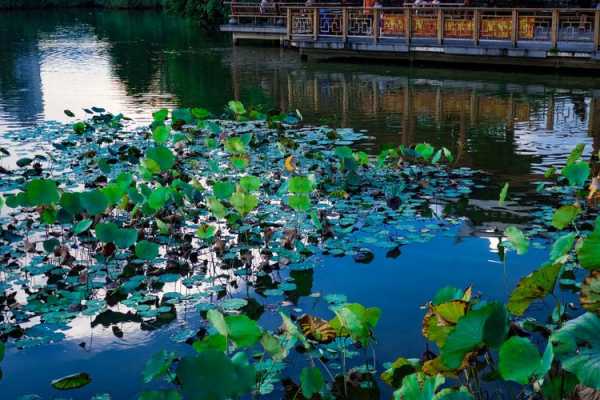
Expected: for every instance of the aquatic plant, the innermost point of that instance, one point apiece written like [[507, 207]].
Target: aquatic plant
[[111, 216]]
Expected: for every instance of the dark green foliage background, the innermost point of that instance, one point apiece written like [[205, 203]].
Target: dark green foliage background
[[209, 12]]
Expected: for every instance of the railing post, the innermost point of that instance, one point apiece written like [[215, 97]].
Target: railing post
[[476, 26], [408, 25], [515, 27], [596, 29], [315, 24], [345, 24], [440, 26], [376, 24], [554, 28], [288, 12]]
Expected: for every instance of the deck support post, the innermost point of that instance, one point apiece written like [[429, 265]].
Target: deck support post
[[288, 12], [476, 26], [554, 28], [514, 34], [596, 29], [408, 25], [440, 26], [315, 24]]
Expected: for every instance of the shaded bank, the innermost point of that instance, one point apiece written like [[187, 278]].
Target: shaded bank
[[210, 12]]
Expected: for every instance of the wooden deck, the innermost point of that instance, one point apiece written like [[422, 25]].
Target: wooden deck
[[545, 38]]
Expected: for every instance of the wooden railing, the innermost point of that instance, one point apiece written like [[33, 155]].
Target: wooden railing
[[551, 26], [445, 23]]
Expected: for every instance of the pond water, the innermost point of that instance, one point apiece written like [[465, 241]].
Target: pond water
[[510, 126]]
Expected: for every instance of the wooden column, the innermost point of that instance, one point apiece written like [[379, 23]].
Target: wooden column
[[345, 24], [288, 12], [408, 25], [376, 15], [596, 29], [514, 35], [440, 26], [476, 26], [554, 28], [315, 24]]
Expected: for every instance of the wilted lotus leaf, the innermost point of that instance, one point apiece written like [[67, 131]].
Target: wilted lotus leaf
[[441, 319], [534, 286], [397, 370], [590, 292], [316, 329]]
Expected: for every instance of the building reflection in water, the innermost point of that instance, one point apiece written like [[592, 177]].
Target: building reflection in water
[[496, 126]]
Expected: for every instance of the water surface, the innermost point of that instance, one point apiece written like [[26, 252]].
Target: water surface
[[510, 126]]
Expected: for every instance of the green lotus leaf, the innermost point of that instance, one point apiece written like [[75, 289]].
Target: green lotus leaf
[[146, 250], [211, 342], [159, 197], [211, 375], [71, 202], [170, 394], [162, 156], [206, 231], [94, 202], [50, 245], [235, 145], [250, 183], [577, 173], [589, 252], [200, 113], [41, 192], [74, 381], [419, 386], [534, 286], [243, 202], [161, 134], [503, 194], [343, 152], [577, 346], [311, 381], [355, 320], [242, 330], [517, 239], [236, 107], [300, 185], [223, 189], [125, 237], [158, 365], [486, 325], [562, 246], [299, 202], [575, 154], [564, 216], [519, 359], [425, 150], [216, 207], [160, 115], [447, 294]]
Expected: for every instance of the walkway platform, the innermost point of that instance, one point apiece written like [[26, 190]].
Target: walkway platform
[[538, 38]]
